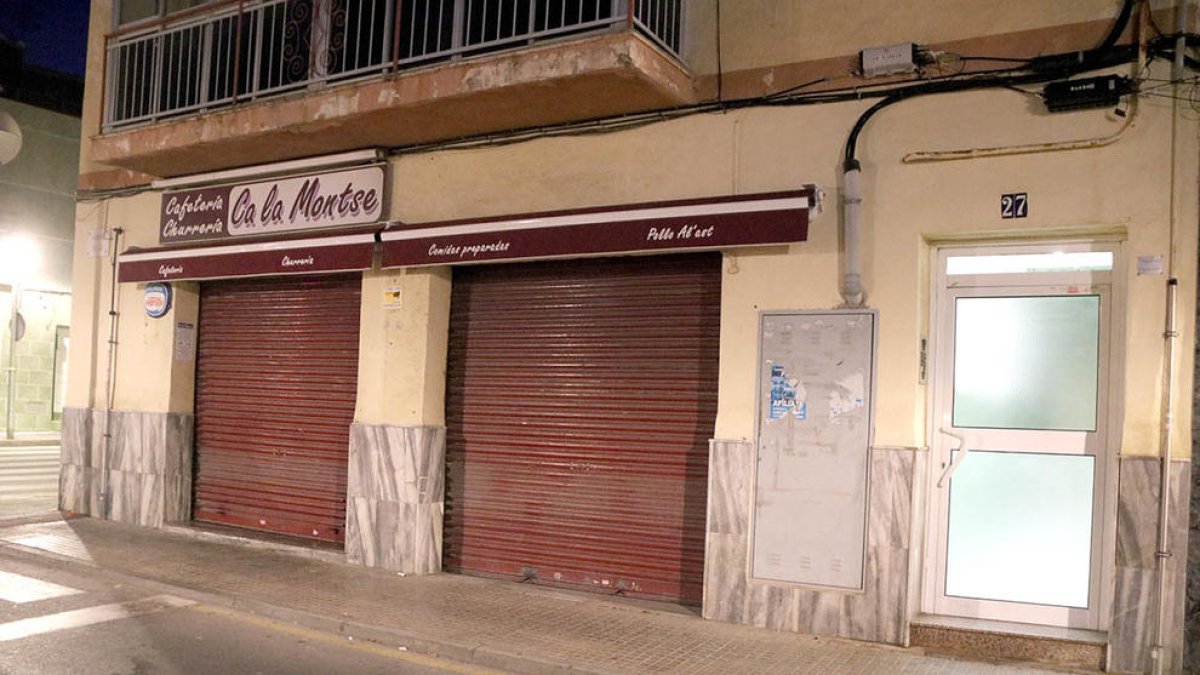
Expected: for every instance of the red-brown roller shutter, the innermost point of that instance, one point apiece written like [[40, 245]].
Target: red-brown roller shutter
[[276, 373], [581, 397]]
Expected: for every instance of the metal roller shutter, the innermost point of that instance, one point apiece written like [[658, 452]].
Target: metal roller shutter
[[581, 397], [276, 376]]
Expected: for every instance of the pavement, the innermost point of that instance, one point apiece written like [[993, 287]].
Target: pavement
[[493, 624]]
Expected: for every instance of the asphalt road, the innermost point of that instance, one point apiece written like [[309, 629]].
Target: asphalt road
[[28, 479], [56, 621]]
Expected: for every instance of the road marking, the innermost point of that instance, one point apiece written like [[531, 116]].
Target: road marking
[[443, 665], [15, 630], [19, 589]]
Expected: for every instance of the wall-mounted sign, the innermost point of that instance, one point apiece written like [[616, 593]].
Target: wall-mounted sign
[[697, 224], [157, 300], [339, 252], [339, 198], [1014, 205]]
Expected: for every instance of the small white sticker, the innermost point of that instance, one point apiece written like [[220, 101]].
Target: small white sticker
[[393, 297], [1150, 264], [185, 341], [97, 243]]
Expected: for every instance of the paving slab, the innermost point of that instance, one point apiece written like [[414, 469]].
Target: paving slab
[[498, 624]]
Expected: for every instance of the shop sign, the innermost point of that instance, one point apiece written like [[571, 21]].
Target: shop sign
[[157, 300], [751, 220], [335, 199]]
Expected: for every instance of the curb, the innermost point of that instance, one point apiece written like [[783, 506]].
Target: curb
[[462, 652]]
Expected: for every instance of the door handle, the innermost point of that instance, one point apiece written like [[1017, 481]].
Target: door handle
[[962, 451]]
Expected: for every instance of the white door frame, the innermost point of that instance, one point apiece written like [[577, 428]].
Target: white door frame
[[944, 288]]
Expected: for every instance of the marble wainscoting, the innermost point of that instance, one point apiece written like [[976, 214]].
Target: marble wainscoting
[[877, 613], [146, 478], [1135, 601], [395, 497]]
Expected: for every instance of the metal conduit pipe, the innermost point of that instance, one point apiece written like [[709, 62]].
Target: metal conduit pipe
[[110, 377], [1162, 552]]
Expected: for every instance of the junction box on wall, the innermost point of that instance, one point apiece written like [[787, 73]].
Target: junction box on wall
[[888, 59]]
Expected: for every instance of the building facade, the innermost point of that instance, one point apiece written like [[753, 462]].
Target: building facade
[[849, 322], [39, 115]]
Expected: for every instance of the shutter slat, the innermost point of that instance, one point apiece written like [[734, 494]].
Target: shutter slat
[[276, 380], [581, 397]]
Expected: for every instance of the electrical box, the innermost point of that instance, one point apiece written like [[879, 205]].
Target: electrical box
[[889, 59], [1090, 92], [816, 387]]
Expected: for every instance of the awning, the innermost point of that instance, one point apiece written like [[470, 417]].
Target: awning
[[684, 225], [332, 253]]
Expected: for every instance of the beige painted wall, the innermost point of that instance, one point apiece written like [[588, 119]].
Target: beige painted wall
[[1125, 185], [764, 33], [147, 376], [402, 347]]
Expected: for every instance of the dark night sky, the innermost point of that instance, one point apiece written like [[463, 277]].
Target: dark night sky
[[54, 32]]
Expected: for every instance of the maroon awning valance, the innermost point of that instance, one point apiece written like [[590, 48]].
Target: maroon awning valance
[[332, 253], [693, 224]]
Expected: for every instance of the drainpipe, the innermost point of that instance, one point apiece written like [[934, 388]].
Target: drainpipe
[[1162, 552], [110, 377], [852, 290]]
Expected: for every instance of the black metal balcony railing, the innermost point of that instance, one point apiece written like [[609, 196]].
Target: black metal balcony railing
[[252, 49]]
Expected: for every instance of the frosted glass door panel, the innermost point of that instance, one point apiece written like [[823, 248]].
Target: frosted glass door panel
[[1026, 362], [1021, 528]]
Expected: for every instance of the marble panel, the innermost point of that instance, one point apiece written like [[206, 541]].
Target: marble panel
[[820, 612], [875, 613], [177, 498], [731, 467], [397, 464], [148, 476], [1135, 596], [374, 533], [391, 535], [75, 488], [889, 515], [179, 439], [725, 577], [76, 436], [770, 606], [1133, 607]]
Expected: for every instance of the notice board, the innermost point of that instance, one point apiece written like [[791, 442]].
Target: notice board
[[815, 426]]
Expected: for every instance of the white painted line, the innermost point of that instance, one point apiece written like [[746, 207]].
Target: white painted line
[[20, 589], [40, 625]]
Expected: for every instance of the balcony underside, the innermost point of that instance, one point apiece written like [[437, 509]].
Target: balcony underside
[[541, 85]]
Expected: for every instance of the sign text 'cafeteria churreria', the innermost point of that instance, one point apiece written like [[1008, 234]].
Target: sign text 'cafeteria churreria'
[[351, 197]]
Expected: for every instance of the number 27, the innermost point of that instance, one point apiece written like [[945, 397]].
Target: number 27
[[1014, 205]]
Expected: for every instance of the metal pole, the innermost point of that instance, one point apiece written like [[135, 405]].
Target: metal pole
[[9, 423]]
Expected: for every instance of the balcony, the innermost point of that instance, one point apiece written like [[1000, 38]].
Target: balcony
[[244, 76]]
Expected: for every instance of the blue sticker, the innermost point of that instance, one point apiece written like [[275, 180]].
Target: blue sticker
[[783, 396], [157, 300]]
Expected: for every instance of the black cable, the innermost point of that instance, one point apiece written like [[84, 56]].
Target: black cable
[[849, 162], [1003, 59], [1118, 26]]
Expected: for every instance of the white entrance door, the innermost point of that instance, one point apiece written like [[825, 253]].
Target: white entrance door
[[1020, 434]]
